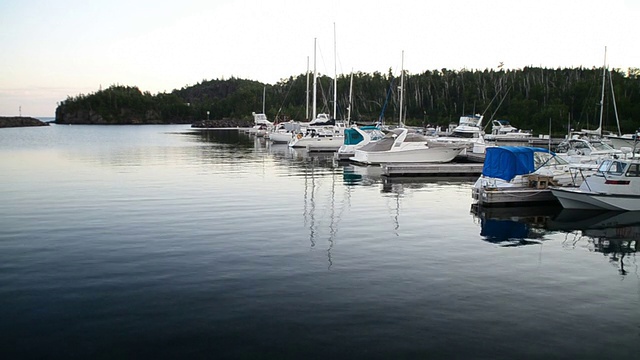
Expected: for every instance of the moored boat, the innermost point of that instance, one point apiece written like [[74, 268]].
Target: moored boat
[[615, 186], [520, 175], [402, 146]]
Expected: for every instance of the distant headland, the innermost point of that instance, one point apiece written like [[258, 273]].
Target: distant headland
[[20, 121]]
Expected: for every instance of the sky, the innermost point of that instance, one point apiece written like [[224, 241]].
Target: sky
[[51, 50]]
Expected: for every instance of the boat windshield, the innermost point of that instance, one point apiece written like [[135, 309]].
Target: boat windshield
[[599, 145], [541, 159], [613, 167]]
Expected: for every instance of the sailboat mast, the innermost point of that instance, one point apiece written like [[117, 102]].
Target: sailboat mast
[[604, 74], [615, 107], [264, 94], [307, 112], [401, 87], [315, 76], [335, 76], [350, 97]]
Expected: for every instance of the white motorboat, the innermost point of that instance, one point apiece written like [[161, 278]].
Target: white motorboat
[[468, 132], [284, 132], [580, 150], [503, 131], [261, 124], [322, 133], [356, 137], [624, 140], [521, 175], [402, 146], [615, 186]]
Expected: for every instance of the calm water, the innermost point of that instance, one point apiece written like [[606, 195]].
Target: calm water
[[155, 242]]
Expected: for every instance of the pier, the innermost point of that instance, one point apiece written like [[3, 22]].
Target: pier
[[429, 169]]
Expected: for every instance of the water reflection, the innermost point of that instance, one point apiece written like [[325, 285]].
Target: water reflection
[[614, 234], [223, 137]]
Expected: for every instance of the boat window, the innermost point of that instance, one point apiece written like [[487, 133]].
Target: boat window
[[599, 145], [617, 168], [604, 166], [546, 159], [634, 170]]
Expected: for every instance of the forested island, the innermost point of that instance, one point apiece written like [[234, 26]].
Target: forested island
[[530, 98]]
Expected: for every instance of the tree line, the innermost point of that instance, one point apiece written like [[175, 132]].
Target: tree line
[[532, 98]]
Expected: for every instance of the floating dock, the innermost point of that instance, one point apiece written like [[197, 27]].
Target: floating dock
[[324, 149], [430, 169]]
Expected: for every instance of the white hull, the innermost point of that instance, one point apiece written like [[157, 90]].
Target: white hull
[[579, 199], [422, 155], [333, 142], [278, 137]]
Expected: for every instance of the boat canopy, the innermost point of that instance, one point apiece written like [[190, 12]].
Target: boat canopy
[[352, 136], [505, 162]]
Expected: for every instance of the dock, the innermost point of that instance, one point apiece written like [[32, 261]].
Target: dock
[[323, 149], [431, 169]]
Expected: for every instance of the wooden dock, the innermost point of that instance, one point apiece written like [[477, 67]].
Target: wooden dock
[[430, 169]]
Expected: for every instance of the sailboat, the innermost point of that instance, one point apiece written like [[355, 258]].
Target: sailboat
[[323, 132], [590, 146]]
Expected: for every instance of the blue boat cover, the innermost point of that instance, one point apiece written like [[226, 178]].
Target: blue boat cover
[[505, 162]]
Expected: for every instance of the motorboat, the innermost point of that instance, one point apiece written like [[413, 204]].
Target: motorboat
[[284, 132], [624, 140], [521, 175], [503, 131], [402, 146], [356, 137], [261, 124], [322, 133], [614, 186], [468, 133], [581, 150]]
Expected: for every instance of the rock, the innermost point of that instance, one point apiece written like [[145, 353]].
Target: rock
[[19, 121]]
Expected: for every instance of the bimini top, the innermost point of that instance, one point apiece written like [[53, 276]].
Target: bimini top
[[505, 162]]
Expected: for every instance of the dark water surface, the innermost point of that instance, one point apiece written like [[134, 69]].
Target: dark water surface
[[155, 242]]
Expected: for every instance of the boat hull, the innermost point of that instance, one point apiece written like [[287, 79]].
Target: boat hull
[[283, 138], [313, 143], [580, 199], [424, 155], [512, 196]]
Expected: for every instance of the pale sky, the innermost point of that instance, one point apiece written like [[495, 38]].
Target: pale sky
[[54, 49]]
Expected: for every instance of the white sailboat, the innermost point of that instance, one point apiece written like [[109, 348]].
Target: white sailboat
[[323, 133]]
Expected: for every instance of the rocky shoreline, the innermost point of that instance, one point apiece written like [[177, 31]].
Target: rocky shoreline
[[225, 123], [20, 121]]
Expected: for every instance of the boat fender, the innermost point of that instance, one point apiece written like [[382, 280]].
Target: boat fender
[[299, 136]]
